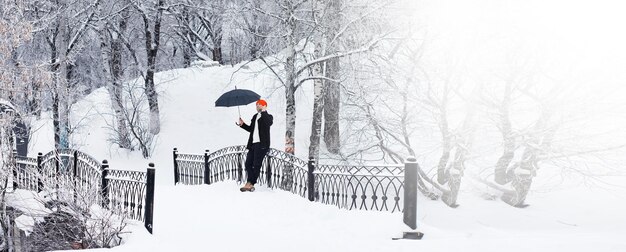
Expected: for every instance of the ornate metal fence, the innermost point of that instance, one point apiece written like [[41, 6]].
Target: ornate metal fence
[[129, 193], [228, 164], [352, 187], [361, 187], [71, 175], [278, 160], [26, 173]]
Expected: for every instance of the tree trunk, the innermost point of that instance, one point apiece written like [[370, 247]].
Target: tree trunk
[[522, 177], [186, 57], [34, 105], [55, 92], [153, 101], [114, 72], [216, 36], [331, 108], [509, 141], [55, 118], [152, 49], [14, 63], [117, 74], [442, 172], [257, 41], [217, 53], [63, 98], [318, 108], [290, 90], [457, 168], [332, 95], [186, 47]]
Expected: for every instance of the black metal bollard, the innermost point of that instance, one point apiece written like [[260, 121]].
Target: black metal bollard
[[75, 175], [410, 199], [149, 211], [268, 171], [410, 193], [311, 180], [176, 172], [15, 167], [75, 164], [56, 162], [207, 169], [40, 171], [239, 168], [104, 188]]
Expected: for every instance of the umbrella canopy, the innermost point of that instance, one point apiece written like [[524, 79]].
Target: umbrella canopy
[[237, 97]]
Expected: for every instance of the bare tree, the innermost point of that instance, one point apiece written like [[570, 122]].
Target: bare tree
[[152, 16], [200, 27], [65, 36], [332, 94], [514, 176], [134, 112], [14, 31], [456, 141], [111, 28], [6, 167], [21, 80]]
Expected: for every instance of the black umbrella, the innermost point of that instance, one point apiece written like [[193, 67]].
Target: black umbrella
[[237, 98]]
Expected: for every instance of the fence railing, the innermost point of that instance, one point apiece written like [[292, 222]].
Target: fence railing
[[375, 187], [26, 173], [361, 187], [228, 164], [75, 176]]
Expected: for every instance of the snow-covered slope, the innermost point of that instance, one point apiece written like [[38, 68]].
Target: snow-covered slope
[[190, 120], [220, 218]]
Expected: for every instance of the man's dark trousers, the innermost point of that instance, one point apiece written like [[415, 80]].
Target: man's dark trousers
[[253, 162]]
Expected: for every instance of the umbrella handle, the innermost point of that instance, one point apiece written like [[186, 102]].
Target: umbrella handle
[[239, 111]]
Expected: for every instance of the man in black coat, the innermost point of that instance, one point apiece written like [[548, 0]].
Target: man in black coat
[[258, 142]]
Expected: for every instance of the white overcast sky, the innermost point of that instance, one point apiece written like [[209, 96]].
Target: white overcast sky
[[575, 43], [583, 38]]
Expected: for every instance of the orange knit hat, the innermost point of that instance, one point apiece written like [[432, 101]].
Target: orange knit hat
[[261, 102]]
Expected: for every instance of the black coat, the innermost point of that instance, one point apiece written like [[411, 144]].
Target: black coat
[[265, 122]]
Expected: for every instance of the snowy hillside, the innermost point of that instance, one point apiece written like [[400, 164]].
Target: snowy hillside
[[190, 120], [220, 218]]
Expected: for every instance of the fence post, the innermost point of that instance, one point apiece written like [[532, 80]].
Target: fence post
[[207, 171], [104, 189], [75, 172], [57, 174], [57, 158], [311, 180], [268, 172], [75, 164], [176, 172], [41, 172], [14, 160], [410, 198], [239, 169], [149, 197]]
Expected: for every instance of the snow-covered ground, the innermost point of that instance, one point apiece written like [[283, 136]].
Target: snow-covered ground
[[218, 217]]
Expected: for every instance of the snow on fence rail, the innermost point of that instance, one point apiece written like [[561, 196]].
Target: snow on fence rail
[[72, 174]]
